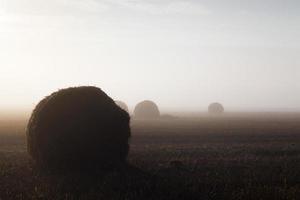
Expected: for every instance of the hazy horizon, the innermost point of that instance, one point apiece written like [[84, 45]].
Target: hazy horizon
[[182, 54]]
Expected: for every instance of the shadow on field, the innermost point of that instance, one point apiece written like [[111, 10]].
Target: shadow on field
[[127, 182], [23, 181]]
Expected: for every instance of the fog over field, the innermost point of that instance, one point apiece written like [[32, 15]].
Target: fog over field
[[182, 54], [150, 99]]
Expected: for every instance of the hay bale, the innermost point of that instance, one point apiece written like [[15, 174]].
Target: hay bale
[[79, 126], [146, 110], [122, 105], [216, 108]]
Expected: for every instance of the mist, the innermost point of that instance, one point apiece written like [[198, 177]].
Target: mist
[[183, 55], [150, 99]]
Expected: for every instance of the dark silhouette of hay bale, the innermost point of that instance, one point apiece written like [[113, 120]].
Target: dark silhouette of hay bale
[[146, 110], [215, 108], [79, 126], [122, 105]]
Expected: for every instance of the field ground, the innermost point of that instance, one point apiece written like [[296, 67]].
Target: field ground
[[229, 157]]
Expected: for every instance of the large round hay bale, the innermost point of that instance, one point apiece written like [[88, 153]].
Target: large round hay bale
[[79, 126], [122, 105], [215, 108], [146, 110]]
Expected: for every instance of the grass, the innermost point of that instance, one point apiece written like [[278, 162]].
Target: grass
[[231, 157]]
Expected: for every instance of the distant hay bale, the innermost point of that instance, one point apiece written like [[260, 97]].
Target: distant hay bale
[[79, 126], [146, 110], [216, 108], [122, 105]]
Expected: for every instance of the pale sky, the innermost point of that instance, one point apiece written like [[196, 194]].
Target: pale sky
[[182, 54]]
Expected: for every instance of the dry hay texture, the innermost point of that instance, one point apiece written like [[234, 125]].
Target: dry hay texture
[[122, 105], [79, 126], [146, 110], [216, 108]]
